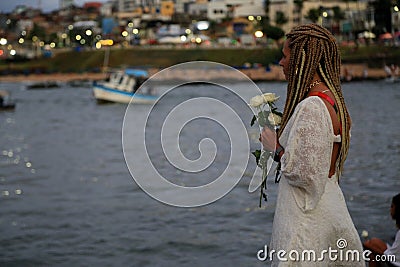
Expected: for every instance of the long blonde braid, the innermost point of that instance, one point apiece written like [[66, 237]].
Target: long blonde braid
[[313, 49]]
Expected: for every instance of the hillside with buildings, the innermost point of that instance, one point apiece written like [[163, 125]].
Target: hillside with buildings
[[29, 35]]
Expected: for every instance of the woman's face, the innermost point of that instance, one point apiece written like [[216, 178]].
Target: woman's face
[[284, 62], [392, 209]]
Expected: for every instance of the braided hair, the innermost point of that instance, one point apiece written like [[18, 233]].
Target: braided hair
[[313, 49]]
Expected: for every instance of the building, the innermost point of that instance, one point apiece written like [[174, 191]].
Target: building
[[127, 5], [131, 5], [285, 7], [355, 12], [66, 3], [218, 10], [106, 9], [198, 9], [256, 8], [145, 9], [181, 6]]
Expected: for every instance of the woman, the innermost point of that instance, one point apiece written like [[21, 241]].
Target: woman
[[378, 247], [312, 145]]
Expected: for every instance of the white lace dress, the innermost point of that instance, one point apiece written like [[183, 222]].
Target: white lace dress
[[311, 213]]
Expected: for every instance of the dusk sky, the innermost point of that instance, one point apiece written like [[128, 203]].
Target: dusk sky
[[46, 5]]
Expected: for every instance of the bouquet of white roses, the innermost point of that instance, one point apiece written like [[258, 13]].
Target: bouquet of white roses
[[267, 115]]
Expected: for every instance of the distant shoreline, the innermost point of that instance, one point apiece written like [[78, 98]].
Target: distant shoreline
[[53, 77], [349, 72]]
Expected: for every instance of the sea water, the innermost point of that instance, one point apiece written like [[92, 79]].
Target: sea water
[[67, 197]]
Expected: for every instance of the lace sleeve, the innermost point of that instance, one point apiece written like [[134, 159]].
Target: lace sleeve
[[306, 161]]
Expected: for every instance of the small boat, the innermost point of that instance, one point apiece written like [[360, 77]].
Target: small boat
[[42, 85], [392, 79], [5, 101], [122, 87]]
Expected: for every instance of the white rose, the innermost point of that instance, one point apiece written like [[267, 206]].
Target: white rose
[[270, 97], [256, 101], [364, 233], [274, 119]]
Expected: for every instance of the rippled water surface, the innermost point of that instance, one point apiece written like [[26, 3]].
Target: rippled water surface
[[68, 199]]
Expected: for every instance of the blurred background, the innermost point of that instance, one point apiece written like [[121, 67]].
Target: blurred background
[[40, 36]]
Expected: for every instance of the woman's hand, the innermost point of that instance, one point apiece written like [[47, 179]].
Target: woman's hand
[[268, 139], [376, 245]]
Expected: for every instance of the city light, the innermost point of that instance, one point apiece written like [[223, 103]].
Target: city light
[[258, 34], [13, 52], [106, 42], [3, 41], [80, 28], [52, 45], [396, 8], [203, 25]]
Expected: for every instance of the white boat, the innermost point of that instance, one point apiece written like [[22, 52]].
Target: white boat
[[392, 79], [122, 87]]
